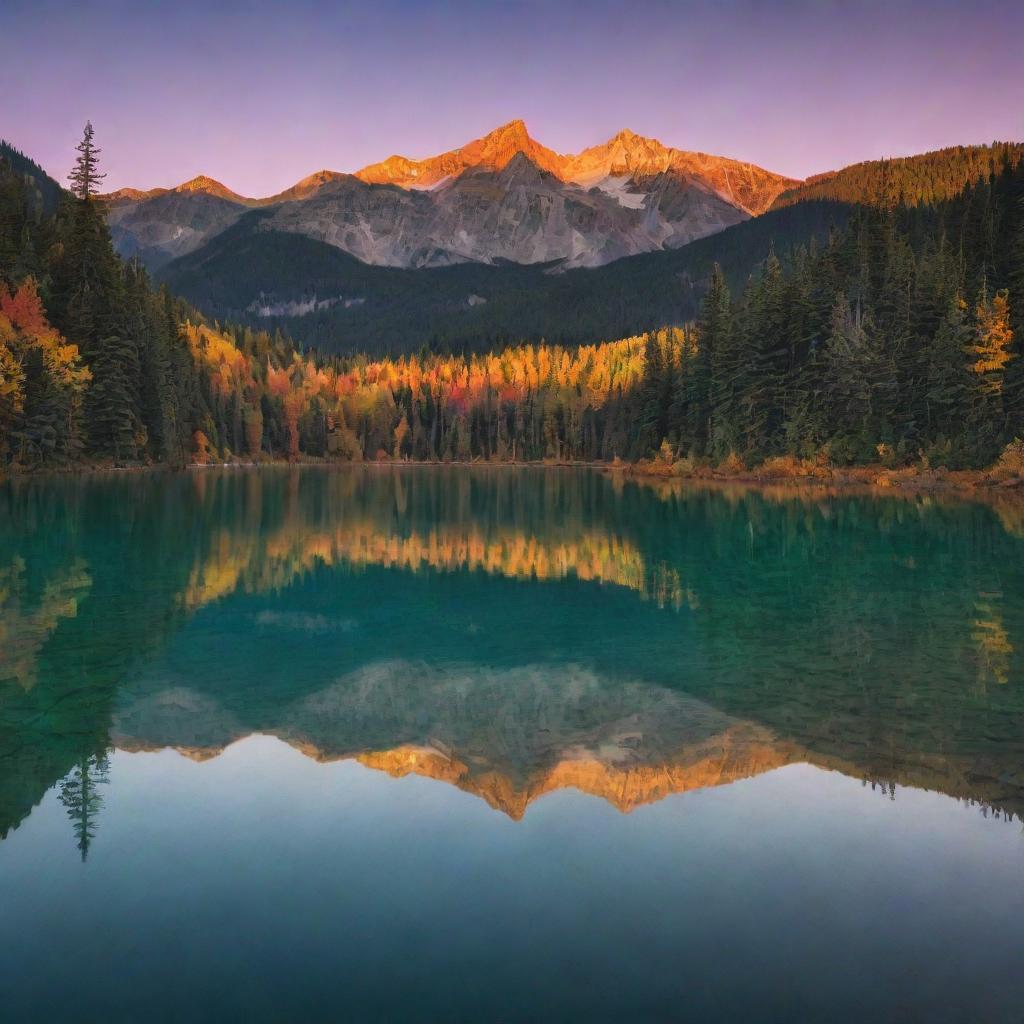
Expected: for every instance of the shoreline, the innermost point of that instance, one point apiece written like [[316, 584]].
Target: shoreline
[[875, 478]]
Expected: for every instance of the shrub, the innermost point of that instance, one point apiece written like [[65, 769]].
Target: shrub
[[786, 467], [200, 448], [1011, 461], [732, 464], [886, 454]]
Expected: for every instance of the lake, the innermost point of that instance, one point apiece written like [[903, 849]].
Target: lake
[[428, 743]]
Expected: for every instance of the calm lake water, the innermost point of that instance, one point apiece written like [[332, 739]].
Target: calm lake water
[[458, 745]]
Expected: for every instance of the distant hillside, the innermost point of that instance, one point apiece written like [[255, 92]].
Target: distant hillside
[[924, 179], [46, 191], [323, 297]]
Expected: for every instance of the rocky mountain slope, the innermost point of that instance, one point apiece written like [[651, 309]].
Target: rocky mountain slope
[[163, 224], [504, 197], [491, 153], [324, 297]]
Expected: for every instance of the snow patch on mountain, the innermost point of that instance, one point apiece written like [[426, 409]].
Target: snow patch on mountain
[[620, 188]]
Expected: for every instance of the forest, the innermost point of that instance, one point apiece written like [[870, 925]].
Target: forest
[[922, 180], [896, 338]]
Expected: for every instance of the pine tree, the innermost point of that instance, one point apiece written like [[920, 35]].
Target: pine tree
[[860, 382], [156, 398], [79, 793], [698, 386], [111, 404], [85, 175], [765, 361], [1014, 384], [655, 396], [86, 294], [186, 399], [948, 381]]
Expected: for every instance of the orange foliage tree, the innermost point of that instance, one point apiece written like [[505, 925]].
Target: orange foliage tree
[[42, 382], [529, 401], [992, 348]]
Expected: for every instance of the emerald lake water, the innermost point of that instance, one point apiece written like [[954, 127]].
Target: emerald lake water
[[428, 743]]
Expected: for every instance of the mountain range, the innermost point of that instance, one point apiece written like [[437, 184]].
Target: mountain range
[[504, 240], [504, 197]]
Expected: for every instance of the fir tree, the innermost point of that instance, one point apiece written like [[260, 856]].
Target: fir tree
[[85, 175], [949, 385], [79, 793]]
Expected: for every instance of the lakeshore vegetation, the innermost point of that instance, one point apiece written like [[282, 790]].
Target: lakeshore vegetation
[[898, 339]]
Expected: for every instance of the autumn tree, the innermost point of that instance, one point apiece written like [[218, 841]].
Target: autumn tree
[[42, 382], [992, 345]]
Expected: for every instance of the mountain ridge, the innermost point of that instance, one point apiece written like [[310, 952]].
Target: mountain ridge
[[490, 152], [625, 152], [629, 195]]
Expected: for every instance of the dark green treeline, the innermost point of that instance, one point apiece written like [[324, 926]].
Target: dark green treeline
[[902, 336], [143, 393]]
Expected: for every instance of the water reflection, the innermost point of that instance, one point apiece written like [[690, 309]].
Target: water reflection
[[509, 632], [507, 735], [30, 616], [81, 797]]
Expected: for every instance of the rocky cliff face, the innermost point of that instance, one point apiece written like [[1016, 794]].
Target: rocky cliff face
[[643, 162], [520, 213], [502, 197], [491, 153], [171, 224]]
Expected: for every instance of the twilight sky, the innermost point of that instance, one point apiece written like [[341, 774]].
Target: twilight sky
[[261, 94]]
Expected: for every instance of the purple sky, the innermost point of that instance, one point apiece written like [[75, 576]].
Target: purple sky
[[259, 95]]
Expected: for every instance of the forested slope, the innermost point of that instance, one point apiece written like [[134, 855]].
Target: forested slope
[[921, 180]]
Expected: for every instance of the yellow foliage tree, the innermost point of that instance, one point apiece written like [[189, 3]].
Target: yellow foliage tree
[[994, 338], [401, 432], [12, 380]]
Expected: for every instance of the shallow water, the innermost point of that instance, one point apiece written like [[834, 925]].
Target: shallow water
[[451, 744]]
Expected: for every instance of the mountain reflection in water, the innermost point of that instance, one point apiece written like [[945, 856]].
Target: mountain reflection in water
[[511, 632]]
